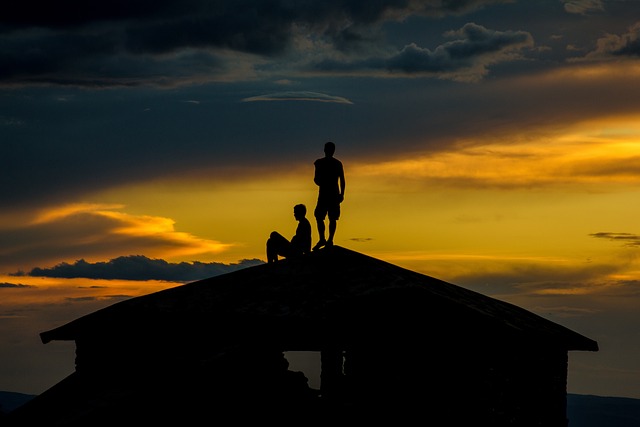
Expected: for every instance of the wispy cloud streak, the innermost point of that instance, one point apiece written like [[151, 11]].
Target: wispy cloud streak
[[298, 96]]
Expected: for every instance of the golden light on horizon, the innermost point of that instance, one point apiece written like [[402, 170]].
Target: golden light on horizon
[[582, 69], [604, 150], [521, 196], [51, 290]]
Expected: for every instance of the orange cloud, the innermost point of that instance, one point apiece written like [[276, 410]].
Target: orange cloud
[[97, 232], [56, 213]]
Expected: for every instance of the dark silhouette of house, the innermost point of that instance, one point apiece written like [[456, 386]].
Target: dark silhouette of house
[[395, 346]]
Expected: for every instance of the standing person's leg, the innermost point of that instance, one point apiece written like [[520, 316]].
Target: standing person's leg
[[320, 212], [334, 215], [332, 231], [322, 241]]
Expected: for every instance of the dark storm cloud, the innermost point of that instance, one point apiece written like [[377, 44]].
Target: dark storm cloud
[[77, 42], [138, 267], [91, 59], [474, 48], [76, 13], [474, 41], [628, 44]]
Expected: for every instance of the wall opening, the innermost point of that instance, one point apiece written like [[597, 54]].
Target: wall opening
[[307, 362]]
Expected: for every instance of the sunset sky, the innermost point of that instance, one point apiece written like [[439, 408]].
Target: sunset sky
[[493, 144]]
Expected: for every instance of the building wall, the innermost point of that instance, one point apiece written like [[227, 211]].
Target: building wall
[[510, 387]]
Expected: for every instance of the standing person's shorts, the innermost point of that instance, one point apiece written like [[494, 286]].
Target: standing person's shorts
[[327, 206]]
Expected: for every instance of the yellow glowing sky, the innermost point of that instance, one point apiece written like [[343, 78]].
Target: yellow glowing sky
[[491, 204]]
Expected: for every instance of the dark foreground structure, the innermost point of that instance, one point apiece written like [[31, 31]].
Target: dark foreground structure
[[395, 345]]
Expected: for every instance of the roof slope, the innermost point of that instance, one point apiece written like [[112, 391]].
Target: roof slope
[[324, 287]]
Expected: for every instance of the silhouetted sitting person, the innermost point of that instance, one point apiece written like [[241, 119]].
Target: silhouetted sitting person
[[299, 245]]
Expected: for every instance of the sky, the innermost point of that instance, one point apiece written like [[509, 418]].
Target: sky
[[493, 144]]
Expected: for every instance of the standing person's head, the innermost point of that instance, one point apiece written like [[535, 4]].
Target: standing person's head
[[329, 148], [299, 211]]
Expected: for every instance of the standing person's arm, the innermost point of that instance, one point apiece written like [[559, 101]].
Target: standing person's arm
[[316, 173], [342, 183]]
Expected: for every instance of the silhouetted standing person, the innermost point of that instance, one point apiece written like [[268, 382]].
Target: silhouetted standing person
[[299, 245], [329, 177]]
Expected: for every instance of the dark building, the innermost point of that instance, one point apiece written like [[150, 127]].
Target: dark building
[[395, 346]]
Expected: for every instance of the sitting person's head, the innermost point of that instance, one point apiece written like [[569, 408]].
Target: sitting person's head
[[299, 211]]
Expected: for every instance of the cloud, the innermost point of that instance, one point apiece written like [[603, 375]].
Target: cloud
[[97, 231], [10, 121], [14, 285], [233, 17], [465, 58], [628, 239], [99, 298], [128, 43], [539, 279], [583, 7], [601, 154], [138, 267], [626, 45], [298, 96]]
